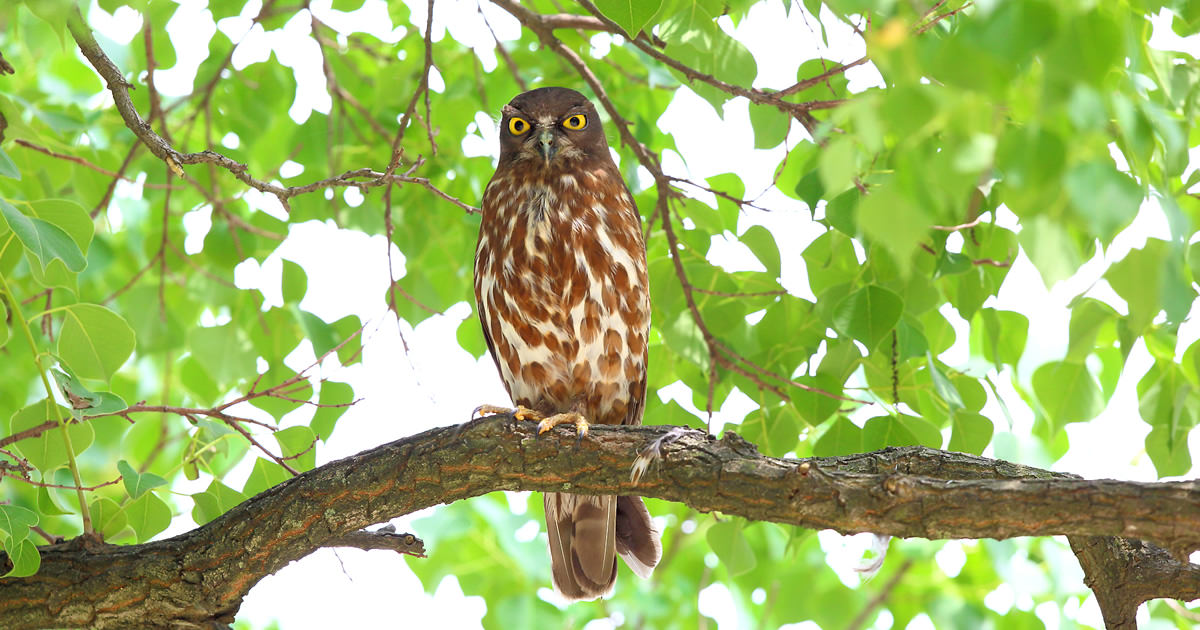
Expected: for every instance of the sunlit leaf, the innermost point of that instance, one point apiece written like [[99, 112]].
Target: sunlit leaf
[[94, 341], [727, 540], [137, 484], [148, 516], [45, 241]]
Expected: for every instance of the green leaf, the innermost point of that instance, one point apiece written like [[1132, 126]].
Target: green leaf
[[892, 219], [470, 337], [223, 353], [216, 500], [85, 402], [950, 263], [299, 444], [693, 38], [1067, 393], [42, 239], [7, 168], [884, 431], [1088, 317], [137, 484], [16, 521], [1050, 248], [868, 314], [1146, 278], [727, 539], [331, 404], [67, 215], [47, 506], [760, 241], [842, 438], [108, 517], [814, 407], [24, 556], [630, 15], [1168, 452], [94, 341], [838, 165], [775, 433], [970, 432], [295, 282], [47, 451], [264, 475], [942, 385], [771, 127], [684, 338], [148, 515], [278, 407], [1104, 197]]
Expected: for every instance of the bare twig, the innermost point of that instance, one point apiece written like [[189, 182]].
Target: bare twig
[[80, 161], [867, 613]]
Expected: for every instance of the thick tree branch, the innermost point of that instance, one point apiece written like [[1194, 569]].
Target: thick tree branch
[[199, 578]]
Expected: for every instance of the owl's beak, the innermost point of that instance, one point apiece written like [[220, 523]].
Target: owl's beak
[[547, 145]]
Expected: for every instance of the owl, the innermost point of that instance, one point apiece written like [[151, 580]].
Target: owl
[[562, 293]]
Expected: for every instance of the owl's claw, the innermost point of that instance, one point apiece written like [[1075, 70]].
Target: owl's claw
[[581, 424], [545, 423], [516, 413]]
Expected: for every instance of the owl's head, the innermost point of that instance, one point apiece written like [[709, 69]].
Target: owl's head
[[551, 128]]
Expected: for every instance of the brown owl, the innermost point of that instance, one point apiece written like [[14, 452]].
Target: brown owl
[[562, 293]]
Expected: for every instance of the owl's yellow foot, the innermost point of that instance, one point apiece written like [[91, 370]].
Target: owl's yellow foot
[[517, 413], [581, 423]]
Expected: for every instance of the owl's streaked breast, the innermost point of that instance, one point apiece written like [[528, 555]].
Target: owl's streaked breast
[[555, 277]]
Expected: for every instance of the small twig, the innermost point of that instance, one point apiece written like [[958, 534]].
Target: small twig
[[739, 295], [820, 78], [42, 484], [928, 25], [508, 60], [82, 162], [720, 193], [867, 613], [955, 228]]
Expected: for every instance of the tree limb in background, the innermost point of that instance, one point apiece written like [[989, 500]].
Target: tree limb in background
[[200, 577], [174, 159]]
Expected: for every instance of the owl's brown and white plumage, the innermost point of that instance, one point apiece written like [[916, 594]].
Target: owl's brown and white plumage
[[562, 293]]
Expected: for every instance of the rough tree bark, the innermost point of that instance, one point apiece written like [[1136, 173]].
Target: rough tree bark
[[198, 579]]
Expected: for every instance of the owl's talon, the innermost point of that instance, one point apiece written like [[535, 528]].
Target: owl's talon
[[581, 424], [516, 413]]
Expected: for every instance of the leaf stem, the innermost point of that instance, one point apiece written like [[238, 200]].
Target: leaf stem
[[51, 404]]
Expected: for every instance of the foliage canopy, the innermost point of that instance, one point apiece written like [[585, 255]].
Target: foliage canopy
[[1004, 135]]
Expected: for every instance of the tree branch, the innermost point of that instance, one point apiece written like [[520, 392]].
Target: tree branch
[[200, 577]]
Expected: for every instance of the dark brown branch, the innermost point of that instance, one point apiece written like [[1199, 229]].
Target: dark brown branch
[[406, 544], [200, 577], [1123, 573]]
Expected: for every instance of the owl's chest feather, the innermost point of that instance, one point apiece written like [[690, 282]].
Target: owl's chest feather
[[560, 281]]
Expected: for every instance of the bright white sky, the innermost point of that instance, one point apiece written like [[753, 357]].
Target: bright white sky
[[359, 589]]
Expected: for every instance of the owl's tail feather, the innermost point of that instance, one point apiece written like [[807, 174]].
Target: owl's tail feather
[[637, 540], [587, 533], [582, 531]]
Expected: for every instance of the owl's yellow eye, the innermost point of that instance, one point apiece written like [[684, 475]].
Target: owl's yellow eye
[[517, 125], [576, 122]]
